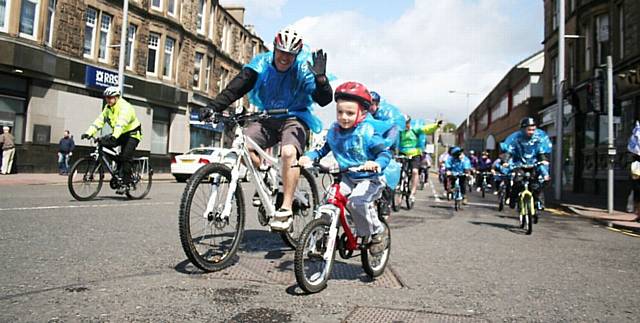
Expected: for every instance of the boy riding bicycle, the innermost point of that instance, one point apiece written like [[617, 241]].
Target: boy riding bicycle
[[354, 143], [458, 166]]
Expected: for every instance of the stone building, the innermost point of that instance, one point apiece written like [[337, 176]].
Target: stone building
[[516, 96], [598, 28], [56, 57]]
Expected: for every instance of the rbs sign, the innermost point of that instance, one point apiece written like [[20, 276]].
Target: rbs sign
[[100, 78]]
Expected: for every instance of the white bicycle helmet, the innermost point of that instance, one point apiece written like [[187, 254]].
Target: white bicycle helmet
[[111, 91], [288, 40]]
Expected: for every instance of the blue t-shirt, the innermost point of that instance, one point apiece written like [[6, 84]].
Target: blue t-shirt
[[456, 165]]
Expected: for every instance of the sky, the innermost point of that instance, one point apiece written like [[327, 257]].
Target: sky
[[411, 52]]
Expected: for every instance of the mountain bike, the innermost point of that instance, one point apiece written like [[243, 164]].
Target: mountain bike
[[456, 191], [403, 190], [212, 209], [524, 176], [423, 176], [484, 185], [316, 251], [87, 175], [502, 189]]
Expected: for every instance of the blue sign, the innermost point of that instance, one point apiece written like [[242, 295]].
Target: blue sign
[[100, 78], [195, 122]]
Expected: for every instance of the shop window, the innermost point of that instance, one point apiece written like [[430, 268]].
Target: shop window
[[51, 13], [12, 114], [29, 18], [41, 134], [152, 56], [160, 131], [4, 14]]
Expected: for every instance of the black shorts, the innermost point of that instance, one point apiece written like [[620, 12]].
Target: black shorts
[[415, 162]]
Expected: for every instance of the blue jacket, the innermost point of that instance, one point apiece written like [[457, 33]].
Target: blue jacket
[[456, 165], [389, 112], [285, 90], [353, 147], [66, 145], [526, 151]]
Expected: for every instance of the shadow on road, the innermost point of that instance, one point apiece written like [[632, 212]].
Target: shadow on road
[[264, 241], [511, 228]]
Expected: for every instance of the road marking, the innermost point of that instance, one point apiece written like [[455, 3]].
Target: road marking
[[433, 191], [625, 232], [482, 204], [54, 207]]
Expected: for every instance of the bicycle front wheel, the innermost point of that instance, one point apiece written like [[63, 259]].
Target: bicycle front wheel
[[314, 256], [209, 238], [85, 179], [141, 178], [500, 200], [528, 218], [305, 201], [374, 265]]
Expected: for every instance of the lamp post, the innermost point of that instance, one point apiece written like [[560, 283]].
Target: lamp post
[[123, 44], [557, 167], [467, 135]]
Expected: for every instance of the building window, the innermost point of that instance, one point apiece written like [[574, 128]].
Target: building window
[[91, 17], [587, 47], [621, 29], [227, 37], [200, 18], [29, 13], [130, 50], [168, 57], [4, 14], [207, 73], [152, 57], [501, 109], [554, 19], [212, 21], [171, 7], [105, 37], [602, 38], [51, 13], [197, 66], [156, 4], [222, 83], [554, 77], [483, 121], [521, 94], [160, 131]]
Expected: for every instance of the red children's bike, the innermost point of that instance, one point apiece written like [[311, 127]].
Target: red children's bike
[[316, 249]]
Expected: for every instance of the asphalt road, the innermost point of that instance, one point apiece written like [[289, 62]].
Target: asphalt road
[[116, 260]]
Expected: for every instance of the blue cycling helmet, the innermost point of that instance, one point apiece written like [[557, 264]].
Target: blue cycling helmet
[[375, 97], [455, 151]]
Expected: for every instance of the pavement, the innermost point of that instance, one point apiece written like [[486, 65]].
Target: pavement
[[582, 205], [54, 178]]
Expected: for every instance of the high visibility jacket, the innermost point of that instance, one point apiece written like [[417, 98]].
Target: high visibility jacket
[[409, 139], [121, 117]]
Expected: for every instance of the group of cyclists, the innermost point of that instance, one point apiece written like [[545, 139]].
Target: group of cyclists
[[528, 147], [367, 133]]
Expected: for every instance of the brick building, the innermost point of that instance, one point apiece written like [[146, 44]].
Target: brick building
[[517, 95], [600, 28], [56, 57]]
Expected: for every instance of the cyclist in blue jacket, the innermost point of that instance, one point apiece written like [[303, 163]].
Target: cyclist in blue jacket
[[458, 165], [529, 146], [354, 142]]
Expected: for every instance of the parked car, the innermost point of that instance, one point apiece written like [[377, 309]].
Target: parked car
[[183, 166]]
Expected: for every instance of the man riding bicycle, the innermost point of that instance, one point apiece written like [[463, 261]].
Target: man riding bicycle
[[281, 79], [458, 166], [127, 131], [529, 146], [410, 147]]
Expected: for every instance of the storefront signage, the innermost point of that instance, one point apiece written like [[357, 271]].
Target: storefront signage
[[195, 121], [100, 78]]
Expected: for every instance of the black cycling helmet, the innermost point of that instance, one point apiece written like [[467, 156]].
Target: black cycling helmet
[[375, 97], [455, 151], [527, 122]]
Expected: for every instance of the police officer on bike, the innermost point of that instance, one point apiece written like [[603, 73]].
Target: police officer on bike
[[127, 131]]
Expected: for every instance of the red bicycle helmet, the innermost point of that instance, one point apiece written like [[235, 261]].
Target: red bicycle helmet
[[354, 91]]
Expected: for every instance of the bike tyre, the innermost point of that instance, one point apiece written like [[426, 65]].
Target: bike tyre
[[184, 216], [145, 184], [292, 236], [367, 258], [70, 179], [299, 259]]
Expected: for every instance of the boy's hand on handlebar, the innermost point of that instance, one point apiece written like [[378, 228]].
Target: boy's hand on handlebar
[[305, 161], [371, 166]]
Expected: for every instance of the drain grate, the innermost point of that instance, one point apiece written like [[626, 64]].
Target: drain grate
[[377, 314], [280, 271]]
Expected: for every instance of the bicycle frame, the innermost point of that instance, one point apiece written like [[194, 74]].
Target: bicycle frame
[[335, 202], [100, 155], [526, 193]]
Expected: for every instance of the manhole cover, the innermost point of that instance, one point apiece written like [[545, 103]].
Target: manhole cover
[[376, 314], [261, 315], [280, 271]]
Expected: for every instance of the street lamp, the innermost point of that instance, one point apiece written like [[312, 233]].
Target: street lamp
[[467, 94], [123, 44]]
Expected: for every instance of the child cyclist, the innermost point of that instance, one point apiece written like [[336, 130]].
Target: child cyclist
[[354, 143]]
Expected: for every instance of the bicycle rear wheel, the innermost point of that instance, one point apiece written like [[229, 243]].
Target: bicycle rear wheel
[[314, 256], [85, 179], [305, 202], [422, 179], [210, 240], [374, 265], [399, 193], [141, 178]]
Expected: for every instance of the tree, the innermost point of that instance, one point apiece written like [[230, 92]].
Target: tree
[[449, 127]]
